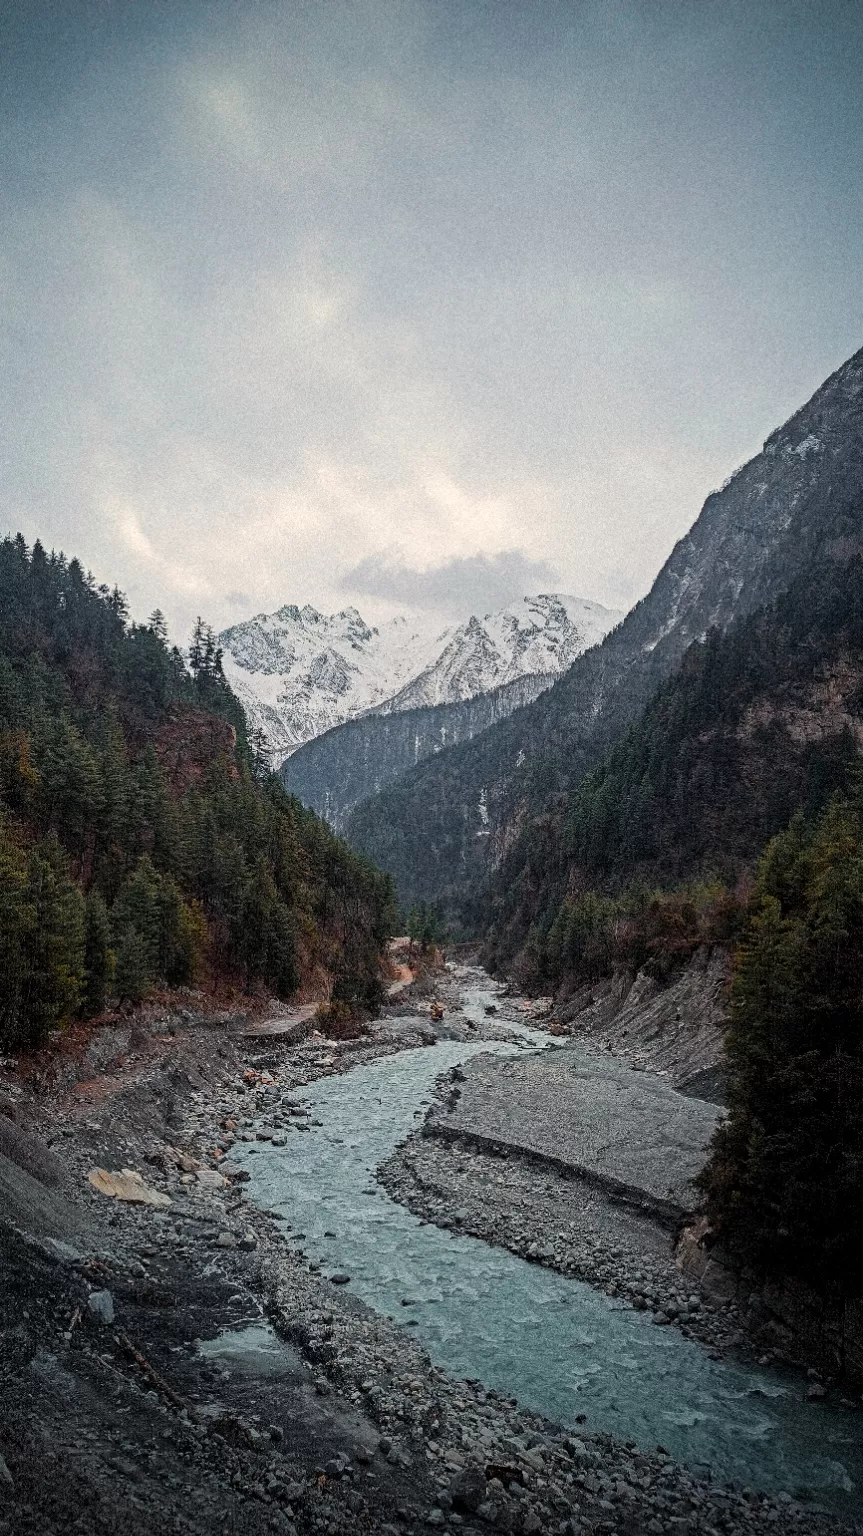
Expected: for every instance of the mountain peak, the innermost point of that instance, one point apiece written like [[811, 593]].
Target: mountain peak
[[299, 672]]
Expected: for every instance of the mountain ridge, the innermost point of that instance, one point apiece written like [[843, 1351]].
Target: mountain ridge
[[335, 771], [447, 823], [299, 673]]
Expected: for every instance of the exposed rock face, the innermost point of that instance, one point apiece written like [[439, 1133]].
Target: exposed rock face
[[299, 673], [787, 1318], [795, 504], [188, 745], [335, 771]]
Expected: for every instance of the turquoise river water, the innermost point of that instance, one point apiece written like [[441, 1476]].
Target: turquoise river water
[[555, 1344]]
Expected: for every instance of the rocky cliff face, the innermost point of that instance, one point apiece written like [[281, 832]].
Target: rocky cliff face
[[445, 825], [300, 673], [335, 771]]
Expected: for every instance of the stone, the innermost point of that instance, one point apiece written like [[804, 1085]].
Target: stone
[[226, 1240], [210, 1179], [126, 1185], [340, 1279], [100, 1307], [468, 1490]]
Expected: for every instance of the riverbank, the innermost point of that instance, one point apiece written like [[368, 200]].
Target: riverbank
[[174, 1364]]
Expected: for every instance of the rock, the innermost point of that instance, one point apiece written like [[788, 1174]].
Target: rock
[[337, 1465], [718, 1283], [210, 1179], [498, 1516], [247, 1242], [100, 1307], [468, 1490], [126, 1185], [226, 1240], [340, 1279]]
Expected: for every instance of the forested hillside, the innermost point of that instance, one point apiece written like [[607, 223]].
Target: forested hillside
[[140, 842], [446, 825], [784, 1185], [759, 722], [337, 770]]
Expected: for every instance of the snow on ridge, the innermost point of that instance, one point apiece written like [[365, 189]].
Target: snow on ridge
[[299, 672], [542, 634]]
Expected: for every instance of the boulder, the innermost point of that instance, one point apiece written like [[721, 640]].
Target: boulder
[[468, 1490], [100, 1308]]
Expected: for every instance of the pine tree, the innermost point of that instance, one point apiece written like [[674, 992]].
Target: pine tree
[[197, 647], [133, 976], [99, 957], [157, 624]]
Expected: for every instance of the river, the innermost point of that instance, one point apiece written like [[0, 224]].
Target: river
[[558, 1346]]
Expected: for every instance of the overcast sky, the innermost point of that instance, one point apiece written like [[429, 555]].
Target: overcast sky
[[409, 302]]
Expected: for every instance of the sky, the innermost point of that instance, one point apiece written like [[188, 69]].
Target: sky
[[411, 304]]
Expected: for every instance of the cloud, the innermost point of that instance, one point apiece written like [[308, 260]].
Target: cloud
[[467, 584], [289, 289]]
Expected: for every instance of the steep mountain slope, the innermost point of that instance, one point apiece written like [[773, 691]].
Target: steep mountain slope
[[299, 673], [757, 723], [443, 827], [335, 771]]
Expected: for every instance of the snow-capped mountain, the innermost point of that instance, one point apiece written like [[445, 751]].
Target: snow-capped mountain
[[539, 635], [298, 672]]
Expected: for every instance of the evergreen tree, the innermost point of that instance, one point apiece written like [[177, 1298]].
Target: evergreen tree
[[99, 957], [41, 941], [157, 624], [785, 1179], [133, 977]]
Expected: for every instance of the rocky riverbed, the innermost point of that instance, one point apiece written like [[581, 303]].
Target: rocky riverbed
[[561, 1222], [173, 1364]]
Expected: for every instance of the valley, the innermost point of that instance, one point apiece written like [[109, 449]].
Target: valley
[[245, 1338], [431, 769]]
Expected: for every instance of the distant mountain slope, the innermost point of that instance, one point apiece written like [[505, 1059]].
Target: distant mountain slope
[[443, 827], [298, 672], [335, 771], [540, 636]]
